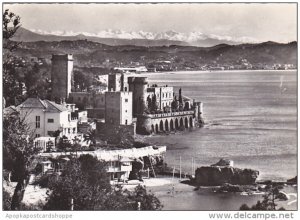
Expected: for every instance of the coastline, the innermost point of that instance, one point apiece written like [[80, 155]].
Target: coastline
[[262, 127], [178, 195], [207, 71]]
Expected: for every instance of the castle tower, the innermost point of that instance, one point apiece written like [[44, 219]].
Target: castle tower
[[115, 82], [118, 108], [198, 110], [61, 76], [138, 87]]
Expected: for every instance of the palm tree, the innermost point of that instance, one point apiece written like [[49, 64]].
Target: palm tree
[[91, 135], [56, 135]]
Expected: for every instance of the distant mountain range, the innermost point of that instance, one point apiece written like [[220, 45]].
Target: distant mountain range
[[92, 54], [141, 38]]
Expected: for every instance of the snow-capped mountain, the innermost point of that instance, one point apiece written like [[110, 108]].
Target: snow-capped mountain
[[144, 38], [168, 35]]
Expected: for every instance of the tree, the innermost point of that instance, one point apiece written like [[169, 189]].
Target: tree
[[18, 153], [149, 102], [82, 81], [76, 146], [10, 25], [154, 103], [144, 200], [12, 85], [91, 135], [64, 144], [49, 146], [6, 200], [37, 82], [86, 182], [56, 134], [174, 104], [269, 199], [245, 207], [180, 97], [186, 106], [83, 180], [17, 73]]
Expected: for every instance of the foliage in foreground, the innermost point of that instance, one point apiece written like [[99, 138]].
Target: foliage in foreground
[[6, 199], [84, 185], [18, 154], [269, 200]]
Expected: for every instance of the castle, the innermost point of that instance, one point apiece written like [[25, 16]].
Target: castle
[[129, 101]]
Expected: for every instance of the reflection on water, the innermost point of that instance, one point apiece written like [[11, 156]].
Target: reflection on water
[[251, 117], [205, 199]]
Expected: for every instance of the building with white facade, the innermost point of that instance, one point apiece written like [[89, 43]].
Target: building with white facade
[[118, 108], [119, 162], [164, 95], [137, 69], [45, 117]]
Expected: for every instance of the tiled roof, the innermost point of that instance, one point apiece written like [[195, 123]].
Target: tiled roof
[[43, 104], [52, 106], [32, 103]]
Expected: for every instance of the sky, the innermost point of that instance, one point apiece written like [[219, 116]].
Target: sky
[[262, 22]]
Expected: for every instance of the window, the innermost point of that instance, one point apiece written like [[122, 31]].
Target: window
[[74, 130], [37, 135], [50, 133], [69, 131], [125, 110], [37, 121], [115, 175], [126, 100], [126, 122], [50, 120]]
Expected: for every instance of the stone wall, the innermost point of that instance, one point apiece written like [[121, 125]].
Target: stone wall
[[165, 122], [96, 113], [61, 76]]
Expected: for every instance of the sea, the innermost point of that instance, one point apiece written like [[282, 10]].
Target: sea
[[250, 118]]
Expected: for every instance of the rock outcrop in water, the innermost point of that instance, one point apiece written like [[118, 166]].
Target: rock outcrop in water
[[219, 175], [292, 181]]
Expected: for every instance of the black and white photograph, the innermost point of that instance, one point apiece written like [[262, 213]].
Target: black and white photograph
[[183, 106]]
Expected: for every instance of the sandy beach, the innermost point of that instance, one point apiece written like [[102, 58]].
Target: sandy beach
[[176, 194]]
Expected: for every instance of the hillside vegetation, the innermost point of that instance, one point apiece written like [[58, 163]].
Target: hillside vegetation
[[92, 54]]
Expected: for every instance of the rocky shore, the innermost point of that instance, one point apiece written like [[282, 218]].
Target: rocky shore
[[223, 177], [218, 175]]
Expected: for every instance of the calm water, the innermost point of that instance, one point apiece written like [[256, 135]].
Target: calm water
[[205, 199], [250, 116]]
